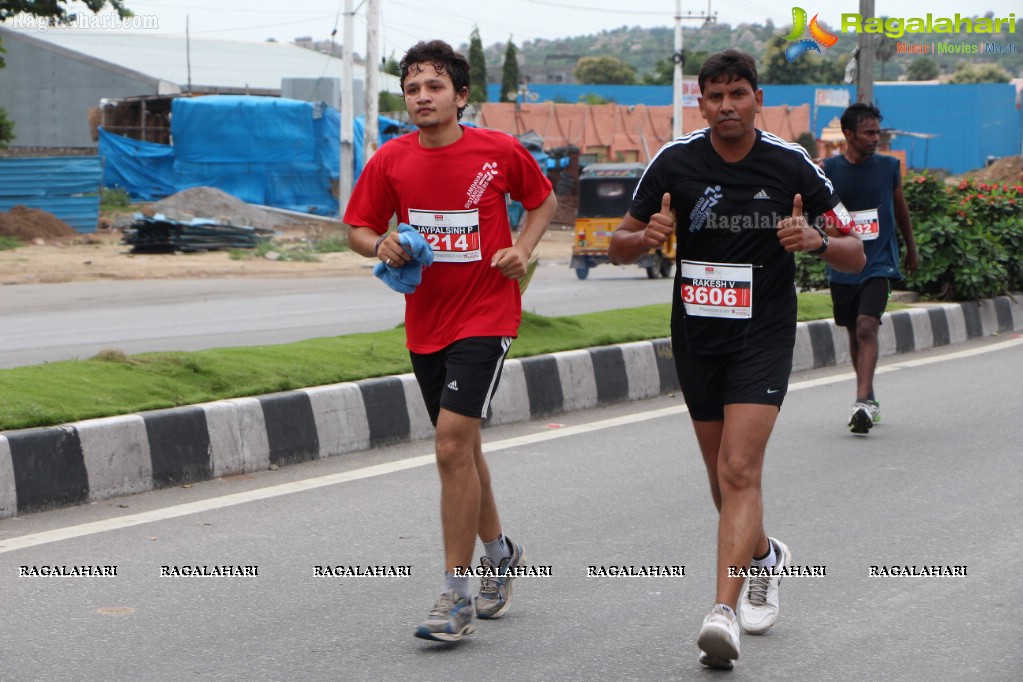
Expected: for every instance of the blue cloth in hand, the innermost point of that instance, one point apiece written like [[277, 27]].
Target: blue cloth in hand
[[406, 278]]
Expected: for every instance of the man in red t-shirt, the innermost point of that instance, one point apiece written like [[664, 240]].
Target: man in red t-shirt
[[449, 183]]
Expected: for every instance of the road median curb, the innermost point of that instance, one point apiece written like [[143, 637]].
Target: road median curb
[[96, 459]]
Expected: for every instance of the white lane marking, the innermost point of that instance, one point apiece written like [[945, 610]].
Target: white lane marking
[[70, 532]]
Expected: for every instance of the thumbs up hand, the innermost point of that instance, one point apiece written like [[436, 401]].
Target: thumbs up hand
[[661, 225], [794, 233]]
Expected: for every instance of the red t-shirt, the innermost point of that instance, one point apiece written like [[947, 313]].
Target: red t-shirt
[[455, 196]]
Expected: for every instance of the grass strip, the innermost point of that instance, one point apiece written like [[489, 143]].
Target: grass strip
[[112, 383]]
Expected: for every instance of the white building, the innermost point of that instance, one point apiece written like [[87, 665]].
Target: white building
[[54, 77]]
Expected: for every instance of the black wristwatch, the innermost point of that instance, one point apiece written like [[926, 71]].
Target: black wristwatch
[[824, 242]]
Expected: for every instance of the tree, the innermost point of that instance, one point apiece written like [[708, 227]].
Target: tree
[[594, 98], [806, 70], [390, 102], [56, 10], [664, 69], [884, 49], [6, 129], [692, 61], [663, 73], [808, 141], [778, 71], [980, 73], [922, 69], [604, 71], [883, 53], [510, 71], [477, 68], [392, 67]]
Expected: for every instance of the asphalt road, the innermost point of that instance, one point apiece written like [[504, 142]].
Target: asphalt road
[[937, 483], [50, 322]]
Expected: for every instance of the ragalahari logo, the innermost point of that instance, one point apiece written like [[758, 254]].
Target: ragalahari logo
[[818, 36]]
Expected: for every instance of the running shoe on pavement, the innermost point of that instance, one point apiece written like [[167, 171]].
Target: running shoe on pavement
[[719, 639], [495, 593], [875, 411], [861, 419], [758, 603], [450, 619]]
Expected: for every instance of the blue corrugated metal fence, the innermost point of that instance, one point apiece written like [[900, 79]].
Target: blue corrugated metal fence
[[66, 186]]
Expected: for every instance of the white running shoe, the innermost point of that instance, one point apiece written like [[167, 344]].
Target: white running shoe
[[758, 603], [862, 419], [719, 639]]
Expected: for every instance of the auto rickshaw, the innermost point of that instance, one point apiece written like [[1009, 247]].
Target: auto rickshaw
[[605, 192]]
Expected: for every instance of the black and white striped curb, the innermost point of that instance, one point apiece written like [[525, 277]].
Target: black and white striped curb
[[101, 458]]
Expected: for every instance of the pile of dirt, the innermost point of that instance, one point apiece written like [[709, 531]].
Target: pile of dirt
[[215, 204], [29, 224], [1006, 169]]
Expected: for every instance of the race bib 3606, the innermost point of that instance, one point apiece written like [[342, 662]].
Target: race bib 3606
[[717, 289]]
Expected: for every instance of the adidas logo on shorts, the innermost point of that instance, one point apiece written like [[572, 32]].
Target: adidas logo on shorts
[[762, 194], [453, 386]]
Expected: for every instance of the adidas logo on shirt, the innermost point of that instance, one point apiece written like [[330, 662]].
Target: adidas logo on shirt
[[762, 194], [453, 386]]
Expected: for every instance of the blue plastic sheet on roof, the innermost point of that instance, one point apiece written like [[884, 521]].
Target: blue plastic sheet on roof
[[54, 184], [263, 150], [240, 129]]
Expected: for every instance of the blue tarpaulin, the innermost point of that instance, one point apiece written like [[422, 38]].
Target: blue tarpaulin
[[240, 128], [145, 170], [66, 186], [263, 150]]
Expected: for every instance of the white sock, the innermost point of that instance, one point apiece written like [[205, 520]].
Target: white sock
[[457, 584], [768, 561], [498, 550]]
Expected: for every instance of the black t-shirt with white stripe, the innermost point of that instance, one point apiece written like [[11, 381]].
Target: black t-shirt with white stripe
[[728, 213]]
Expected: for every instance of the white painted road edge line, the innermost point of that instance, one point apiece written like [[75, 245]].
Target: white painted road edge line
[[70, 532]]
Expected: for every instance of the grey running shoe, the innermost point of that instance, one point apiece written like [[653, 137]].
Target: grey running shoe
[[758, 603], [719, 663], [875, 411], [495, 593], [450, 619], [719, 639], [861, 419]]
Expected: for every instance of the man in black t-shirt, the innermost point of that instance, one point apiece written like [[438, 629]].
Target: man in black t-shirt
[[739, 194]]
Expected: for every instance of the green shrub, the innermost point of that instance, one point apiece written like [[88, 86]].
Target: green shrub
[[113, 198], [807, 141], [811, 273], [969, 238], [8, 243], [331, 244]]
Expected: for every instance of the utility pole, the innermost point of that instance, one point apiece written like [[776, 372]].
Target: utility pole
[[188, 55], [370, 132], [679, 60], [346, 171], [865, 59]]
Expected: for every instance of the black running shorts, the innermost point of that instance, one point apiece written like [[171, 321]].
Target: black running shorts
[[758, 376], [461, 377], [869, 297]]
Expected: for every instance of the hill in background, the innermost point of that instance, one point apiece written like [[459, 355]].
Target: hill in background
[[553, 61]]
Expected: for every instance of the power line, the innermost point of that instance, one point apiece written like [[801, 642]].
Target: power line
[[618, 10]]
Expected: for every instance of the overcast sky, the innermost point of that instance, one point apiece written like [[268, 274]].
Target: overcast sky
[[403, 22]]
